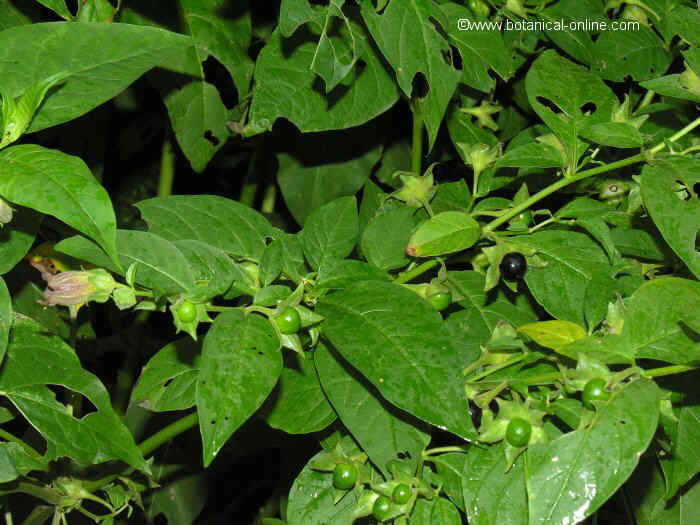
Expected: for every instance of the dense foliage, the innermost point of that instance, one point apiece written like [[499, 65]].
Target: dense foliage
[[343, 262]]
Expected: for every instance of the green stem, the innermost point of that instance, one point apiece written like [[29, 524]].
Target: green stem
[[496, 368], [222, 308], [561, 183], [648, 97], [167, 168], [14, 439], [75, 399], [409, 275], [668, 370], [442, 450], [417, 148], [166, 434], [268, 203]]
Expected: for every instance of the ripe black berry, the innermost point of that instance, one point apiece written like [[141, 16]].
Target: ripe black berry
[[513, 266]]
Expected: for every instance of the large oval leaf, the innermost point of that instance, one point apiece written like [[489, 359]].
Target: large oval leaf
[[570, 477], [383, 432], [60, 185], [241, 362], [401, 345], [98, 61], [225, 224], [446, 232]]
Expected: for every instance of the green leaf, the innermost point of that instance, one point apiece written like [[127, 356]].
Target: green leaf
[[450, 467], [553, 334], [481, 50], [668, 191], [34, 360], [531, 155], [198, 117], [286, 87], [221, 37], [17, 237], [223, 223], [330, 232], [98, 61], [6, 318], [160, 265], [655, 325], [298, 405], [15, 461], [683, 462], [639, 54], [671, 86], [486, 481], [570, 477], [473, 326], [388, 252], [58, 7], [451, 196], [338, 274], [60, 185], [446, 232], [180, 496], [576, 43], [241, 363], [567, 97], [410, 35], [324, 168], [572, 261], [168, 381], [616, 134], [382, 431], [646, 493], [212, 269], [405, 351]]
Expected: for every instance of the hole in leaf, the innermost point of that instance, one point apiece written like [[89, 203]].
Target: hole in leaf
[[212, 422], [168, 382], [682, 191], [588, 108], [319, 2], [549, 104], [696, 189], [420, 87], [213, 139], [456, 58], [438, 28]]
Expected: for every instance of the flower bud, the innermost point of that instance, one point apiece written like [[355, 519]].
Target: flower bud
[[5, 212], [77, 287], [479, 156]]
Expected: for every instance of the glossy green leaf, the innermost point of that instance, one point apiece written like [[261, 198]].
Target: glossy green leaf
[[98, 60], [410, 35], [168, 381], [220, 222], [669, 196], [57, 6], [34, 360], [486, 481], [15, 461], [570, 477], [221, 36], [298, 405], [285, 86], [212, 269], [330, 232], [553, 334], [572, 261], [388, 252], [639, 54], [60, 185], [446, 232], [473, 325], [655, 325], [480, 50], [405, 351], [568, 98], [240, 365], [198, 117], [382, 431], [160, 265], [312, 177], [17, 237], [532, 155], [683, 461]]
